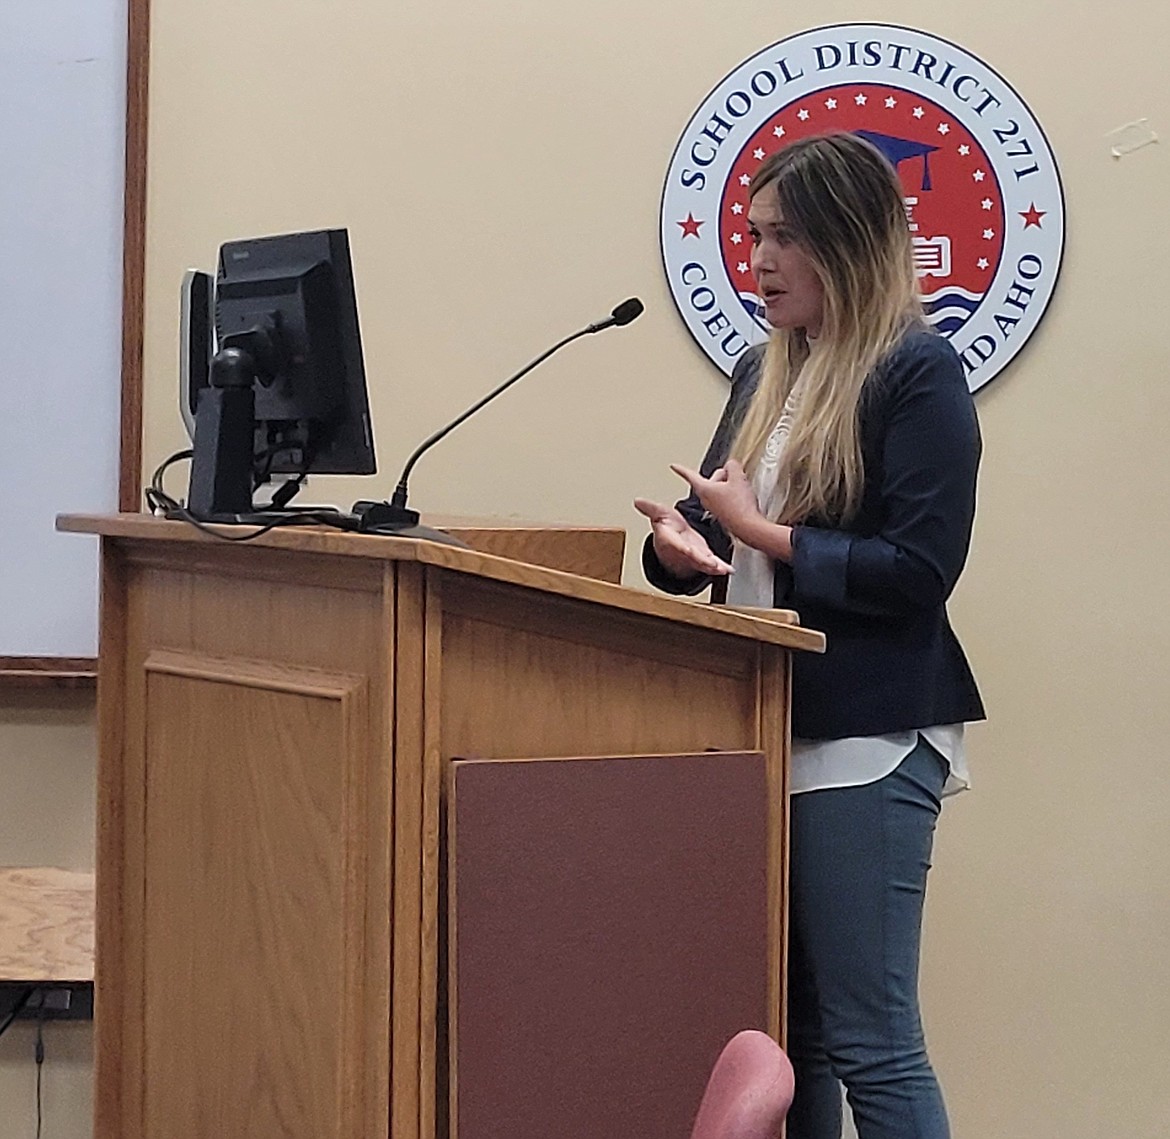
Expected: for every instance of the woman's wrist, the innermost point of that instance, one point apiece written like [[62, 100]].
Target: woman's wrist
[[771, 538]]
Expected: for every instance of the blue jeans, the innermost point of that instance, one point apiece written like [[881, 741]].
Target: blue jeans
[[859, 857]]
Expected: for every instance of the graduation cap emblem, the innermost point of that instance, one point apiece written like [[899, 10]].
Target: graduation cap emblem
[[898, 150]]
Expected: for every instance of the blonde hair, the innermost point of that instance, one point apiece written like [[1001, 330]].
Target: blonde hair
[[843, 203]]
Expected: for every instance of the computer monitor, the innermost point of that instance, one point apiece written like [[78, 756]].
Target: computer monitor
[[280, 389]]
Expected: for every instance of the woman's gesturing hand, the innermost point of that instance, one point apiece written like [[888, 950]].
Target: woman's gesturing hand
[[681, 549], [727, 495], [729, 498]]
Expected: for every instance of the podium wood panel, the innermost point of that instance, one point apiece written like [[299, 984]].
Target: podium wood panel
[[275, 722], [207, 735], [516, 673], [588, 551], [526, 676], [255, 783]]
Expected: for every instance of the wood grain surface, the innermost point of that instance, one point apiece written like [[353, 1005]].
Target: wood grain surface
[[46, 924], [776, 626]]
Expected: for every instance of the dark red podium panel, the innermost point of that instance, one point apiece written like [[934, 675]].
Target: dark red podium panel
[[608, 935]]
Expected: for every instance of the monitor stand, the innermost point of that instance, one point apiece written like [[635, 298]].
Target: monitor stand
[[221, 468]]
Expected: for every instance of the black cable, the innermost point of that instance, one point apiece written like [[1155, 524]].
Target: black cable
[[39, 1056], [160, 470], [181, 514], [162, 503], [156, 497], [285, 493]]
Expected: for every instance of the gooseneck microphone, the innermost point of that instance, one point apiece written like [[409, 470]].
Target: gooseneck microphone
[[395, 514], [623, 314]]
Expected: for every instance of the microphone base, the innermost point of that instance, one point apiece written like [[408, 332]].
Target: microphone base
[[383, 517], [390, 521]]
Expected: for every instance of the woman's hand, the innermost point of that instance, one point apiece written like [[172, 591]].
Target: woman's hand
[[726, 495], [681, 549], [729, 497]]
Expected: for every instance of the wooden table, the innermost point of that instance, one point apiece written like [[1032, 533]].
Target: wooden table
[[46, 924]]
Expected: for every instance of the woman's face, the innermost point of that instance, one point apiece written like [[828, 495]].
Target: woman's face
[[785, 278]]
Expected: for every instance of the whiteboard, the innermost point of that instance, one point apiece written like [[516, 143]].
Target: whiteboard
[[62, 140]]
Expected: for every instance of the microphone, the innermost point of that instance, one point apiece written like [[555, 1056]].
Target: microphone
[[623, 314], [395, 515]]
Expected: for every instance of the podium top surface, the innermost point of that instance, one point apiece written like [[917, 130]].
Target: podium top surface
[[769, 626]]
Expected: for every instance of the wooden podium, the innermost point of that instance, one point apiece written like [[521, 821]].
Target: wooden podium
[[277, 718]]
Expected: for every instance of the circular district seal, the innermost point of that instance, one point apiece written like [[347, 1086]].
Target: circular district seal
[[983, 194]]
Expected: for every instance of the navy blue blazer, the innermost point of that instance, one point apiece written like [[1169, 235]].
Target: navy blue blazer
[[878, 585]]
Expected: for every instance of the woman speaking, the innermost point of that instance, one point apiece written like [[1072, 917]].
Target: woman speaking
[[841, 482]]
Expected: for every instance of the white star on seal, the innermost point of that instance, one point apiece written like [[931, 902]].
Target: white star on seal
[[861, 100], [745, 180], [988, 234], [737, 208], [891, 102], [802, 114], [736, 238], [987, 203], [982, 262], [943, 128], [778, 132], [964, 150], [831, 104], [918, 112], [978, 175], [758, 154], [742, 267]]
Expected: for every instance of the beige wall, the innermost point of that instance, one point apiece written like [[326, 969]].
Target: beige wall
[[499, 168]]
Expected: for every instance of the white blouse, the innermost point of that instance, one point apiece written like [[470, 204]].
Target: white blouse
[[820, 764]]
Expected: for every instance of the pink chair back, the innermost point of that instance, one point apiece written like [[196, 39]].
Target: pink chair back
[[749, 1091]]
